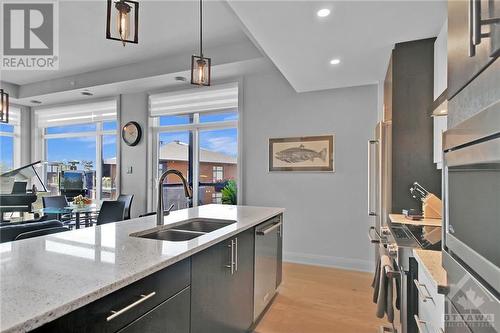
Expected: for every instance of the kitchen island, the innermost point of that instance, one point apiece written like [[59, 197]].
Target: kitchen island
[[66, 276]]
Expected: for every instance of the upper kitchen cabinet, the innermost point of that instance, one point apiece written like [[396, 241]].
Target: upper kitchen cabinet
[[473, 40], [441, 62]]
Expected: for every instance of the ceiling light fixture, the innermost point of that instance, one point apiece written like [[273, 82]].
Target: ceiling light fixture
[[4, 107], [124, 10], [334, 61], [87, 93], [200, 66], [34, 101], [323, 12]]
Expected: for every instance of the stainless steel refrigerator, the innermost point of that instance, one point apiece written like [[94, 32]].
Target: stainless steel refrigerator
[[379, 179]]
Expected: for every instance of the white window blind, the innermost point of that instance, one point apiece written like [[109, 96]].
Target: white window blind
[[14, 115], [204, 99], [84, 113]]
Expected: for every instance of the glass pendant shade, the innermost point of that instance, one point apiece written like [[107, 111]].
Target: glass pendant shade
[[122, 21], [4, 107], [200, 70]]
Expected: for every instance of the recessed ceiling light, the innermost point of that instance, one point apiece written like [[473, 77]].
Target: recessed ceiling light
[[180, 78], [323, 12], [335, 61], [34, 101]]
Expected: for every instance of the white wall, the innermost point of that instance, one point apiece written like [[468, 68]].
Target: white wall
[[325, 220], [134, 107]]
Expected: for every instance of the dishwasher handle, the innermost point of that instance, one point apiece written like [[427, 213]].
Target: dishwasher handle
[[269, 229]]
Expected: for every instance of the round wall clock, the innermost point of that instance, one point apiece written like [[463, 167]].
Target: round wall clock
[[131, 133]]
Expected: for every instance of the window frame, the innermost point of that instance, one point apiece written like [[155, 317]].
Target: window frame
[[195, 127], [41, 135], [16, 144]]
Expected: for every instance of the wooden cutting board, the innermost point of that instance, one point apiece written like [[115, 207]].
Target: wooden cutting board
[[400, 218]]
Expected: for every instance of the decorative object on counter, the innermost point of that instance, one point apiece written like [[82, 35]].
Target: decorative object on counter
[[413, 214], [431, 204], [200, 66], [81, 201], [122, 21], [132, 133], [4, 107], [311, 153]]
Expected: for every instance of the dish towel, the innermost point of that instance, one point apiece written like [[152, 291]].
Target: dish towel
[[384, 290]]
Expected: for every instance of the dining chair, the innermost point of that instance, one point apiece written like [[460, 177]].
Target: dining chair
[[111, 211], [41, 232], [9, 231], [127, 200], [57, 201]]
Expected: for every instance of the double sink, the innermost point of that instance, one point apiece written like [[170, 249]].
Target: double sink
[[184, 230]]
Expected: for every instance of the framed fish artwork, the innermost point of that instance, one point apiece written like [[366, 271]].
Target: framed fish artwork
[[308, 153]]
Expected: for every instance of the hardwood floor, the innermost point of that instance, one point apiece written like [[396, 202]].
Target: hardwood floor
[[321, 300]]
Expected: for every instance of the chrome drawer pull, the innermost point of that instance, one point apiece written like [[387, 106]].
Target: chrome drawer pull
[[231, 263], [130, 306], [269, 229], [419, 323], [421, 293], [373, 240]]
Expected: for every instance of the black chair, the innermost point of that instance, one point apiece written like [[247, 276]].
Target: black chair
[[41, 232], [9, 231], [127, 200], [111, 211]]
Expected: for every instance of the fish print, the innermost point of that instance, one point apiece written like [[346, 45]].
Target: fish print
[[300, 154]]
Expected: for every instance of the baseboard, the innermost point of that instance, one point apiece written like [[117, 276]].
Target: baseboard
[[328, 261]]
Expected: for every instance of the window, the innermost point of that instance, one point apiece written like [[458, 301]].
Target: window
[[79, 142], [10, 148], [218, 173], [200, 139]]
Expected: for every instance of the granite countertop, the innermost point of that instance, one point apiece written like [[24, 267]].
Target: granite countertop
[[431, 262], [47, 277], [400, 218]]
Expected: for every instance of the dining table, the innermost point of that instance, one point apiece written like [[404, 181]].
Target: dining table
[[77, 211]]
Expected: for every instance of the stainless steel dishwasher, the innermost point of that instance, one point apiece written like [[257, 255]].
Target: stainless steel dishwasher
[[267, 243]]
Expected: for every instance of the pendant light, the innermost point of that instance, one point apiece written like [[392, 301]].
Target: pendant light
[[124, 10], [200, 66], [4, 107]]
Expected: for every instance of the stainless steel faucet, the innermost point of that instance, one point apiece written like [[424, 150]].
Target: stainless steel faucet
[[160, 213]]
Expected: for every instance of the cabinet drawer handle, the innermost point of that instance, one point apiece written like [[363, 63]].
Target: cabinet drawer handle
[[421, 293], [236, 254], [231, 262], [268, 229], [419, 323], [143, 298]]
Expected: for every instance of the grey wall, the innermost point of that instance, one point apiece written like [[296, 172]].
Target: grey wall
[[325, 220], [134, 107]]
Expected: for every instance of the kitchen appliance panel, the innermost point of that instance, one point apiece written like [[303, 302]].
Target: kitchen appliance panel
[[472, 187], [469, 52], [267, 238], [477, 306]]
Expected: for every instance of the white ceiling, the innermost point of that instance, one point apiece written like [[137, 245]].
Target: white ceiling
[[359, 33], [165, 28]]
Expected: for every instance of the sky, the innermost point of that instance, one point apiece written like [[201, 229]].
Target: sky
[[84, 148]]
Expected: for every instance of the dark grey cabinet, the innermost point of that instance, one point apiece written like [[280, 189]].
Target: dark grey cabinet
[[171, 316], [222, 286], [124, 306], [468, 53]]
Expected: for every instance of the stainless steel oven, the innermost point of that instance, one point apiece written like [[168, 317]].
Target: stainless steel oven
[[472, 195]]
